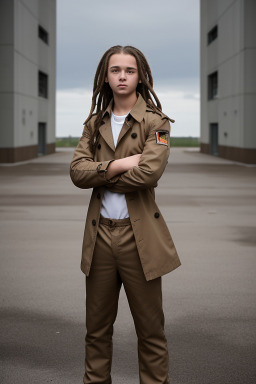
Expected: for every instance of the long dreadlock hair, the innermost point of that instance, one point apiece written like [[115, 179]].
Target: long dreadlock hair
[[102, 93]]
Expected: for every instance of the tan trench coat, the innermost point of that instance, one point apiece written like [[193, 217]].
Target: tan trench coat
[[144, 131]]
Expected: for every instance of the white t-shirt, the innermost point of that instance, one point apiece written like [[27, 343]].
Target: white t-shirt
[[114, 204]]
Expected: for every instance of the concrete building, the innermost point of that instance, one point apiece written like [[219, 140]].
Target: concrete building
[[228, 79], [27, 78]]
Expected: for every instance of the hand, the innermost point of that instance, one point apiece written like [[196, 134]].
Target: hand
[[131, 161], [122, 165]]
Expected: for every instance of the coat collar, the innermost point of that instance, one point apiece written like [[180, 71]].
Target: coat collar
[[137, 112]]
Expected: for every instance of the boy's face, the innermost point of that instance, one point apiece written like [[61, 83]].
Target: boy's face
[[122, 74]]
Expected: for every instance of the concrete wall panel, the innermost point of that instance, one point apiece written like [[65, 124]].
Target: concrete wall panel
[[229, 38], [32, 6], [26, 33], [250, 26], [7, 22], [250, 121], [7, 68], [231, 121], [222, 6], [26, 112], [44, 14], [231, 77], [249, 70], [6, 120], [26, 76], [211, 13]]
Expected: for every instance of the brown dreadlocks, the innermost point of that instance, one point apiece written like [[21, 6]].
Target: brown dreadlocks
[[102, 93]]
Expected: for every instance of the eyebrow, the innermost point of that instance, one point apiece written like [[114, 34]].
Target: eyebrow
[[116, 66]]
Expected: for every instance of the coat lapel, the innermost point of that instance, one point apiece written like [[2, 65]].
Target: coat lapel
[[106, 132]]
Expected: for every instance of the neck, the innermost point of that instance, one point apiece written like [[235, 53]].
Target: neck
[[123, 105]]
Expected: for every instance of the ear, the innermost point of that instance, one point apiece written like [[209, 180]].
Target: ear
[[106, 79], [140, 81]]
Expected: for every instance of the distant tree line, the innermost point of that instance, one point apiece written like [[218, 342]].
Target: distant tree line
[[175, 141]]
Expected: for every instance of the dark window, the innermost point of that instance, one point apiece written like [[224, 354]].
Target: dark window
[[214, 145], [213, 34], [42, 84], [213, 86], [41, 139], [43, 34]]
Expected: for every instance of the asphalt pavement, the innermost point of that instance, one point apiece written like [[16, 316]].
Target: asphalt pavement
[[210, 306]]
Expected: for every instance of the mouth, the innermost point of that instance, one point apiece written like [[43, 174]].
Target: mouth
[[122, 85]]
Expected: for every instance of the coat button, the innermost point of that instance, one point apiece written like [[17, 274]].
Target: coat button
[[98, 195], [99, 146], [93, 222], [134, 135], [156, 215]]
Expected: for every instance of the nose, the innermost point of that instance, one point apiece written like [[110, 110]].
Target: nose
[[122, 75]]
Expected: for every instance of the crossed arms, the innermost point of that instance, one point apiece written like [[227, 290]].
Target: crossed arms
[[140, 171]]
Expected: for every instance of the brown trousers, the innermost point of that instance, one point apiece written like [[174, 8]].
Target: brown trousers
[[116, 262]]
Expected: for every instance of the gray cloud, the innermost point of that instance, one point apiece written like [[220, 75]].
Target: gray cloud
[[166, 31]]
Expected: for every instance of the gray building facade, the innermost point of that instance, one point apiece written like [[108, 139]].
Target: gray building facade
[[27, 79], [228, 79]]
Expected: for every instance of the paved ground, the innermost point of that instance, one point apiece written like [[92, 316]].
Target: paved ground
[[210, 306]]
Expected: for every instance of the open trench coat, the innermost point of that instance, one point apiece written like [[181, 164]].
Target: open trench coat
[[146, 132]]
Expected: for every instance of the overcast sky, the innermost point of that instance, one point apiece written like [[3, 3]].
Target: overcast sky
[[166, 31]]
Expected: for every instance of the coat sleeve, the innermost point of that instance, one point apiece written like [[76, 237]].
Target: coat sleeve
[[84, 171], [152, 162]]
